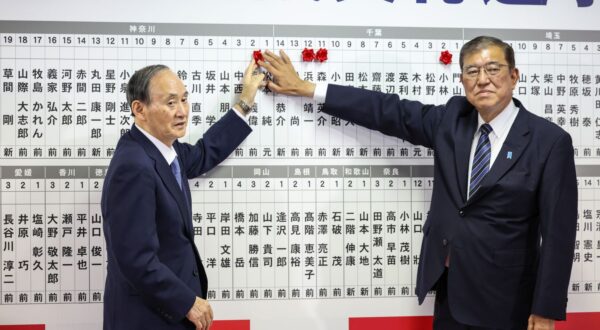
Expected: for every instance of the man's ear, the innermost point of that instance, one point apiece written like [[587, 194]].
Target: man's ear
[[514, 76], [138, 109]]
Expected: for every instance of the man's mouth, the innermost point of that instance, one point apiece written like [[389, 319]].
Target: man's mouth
[[484, 92]]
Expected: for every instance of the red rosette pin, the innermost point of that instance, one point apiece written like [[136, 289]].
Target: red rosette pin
[[446, 57], [257, 56], [321, 55], [308, 55]]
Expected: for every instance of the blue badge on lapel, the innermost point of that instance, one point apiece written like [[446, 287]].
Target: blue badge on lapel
[[509, 155]]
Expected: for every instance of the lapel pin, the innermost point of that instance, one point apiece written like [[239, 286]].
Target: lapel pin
[[509, 155]]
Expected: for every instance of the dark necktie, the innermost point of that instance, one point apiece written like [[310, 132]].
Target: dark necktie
[[176, 172], [481, 160]]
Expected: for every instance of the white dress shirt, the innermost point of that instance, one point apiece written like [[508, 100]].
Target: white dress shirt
[[168, 152], [500, 127]]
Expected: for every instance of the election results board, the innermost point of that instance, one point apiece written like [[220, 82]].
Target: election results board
[[310, 212]]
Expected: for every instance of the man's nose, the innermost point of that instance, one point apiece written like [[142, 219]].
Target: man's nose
[[181, 109], [482, 77]]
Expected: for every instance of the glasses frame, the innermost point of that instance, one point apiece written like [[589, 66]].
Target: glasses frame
[[476, 76]]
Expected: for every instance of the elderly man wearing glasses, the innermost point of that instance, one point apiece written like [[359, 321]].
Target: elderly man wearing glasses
[[499, 238]]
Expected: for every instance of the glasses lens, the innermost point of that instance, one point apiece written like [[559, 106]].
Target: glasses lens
[[492, 69]]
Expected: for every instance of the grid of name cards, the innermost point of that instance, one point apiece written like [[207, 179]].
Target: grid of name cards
[[309, 206]]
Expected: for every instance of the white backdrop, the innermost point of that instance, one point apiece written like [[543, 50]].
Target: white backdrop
[[298, 314]]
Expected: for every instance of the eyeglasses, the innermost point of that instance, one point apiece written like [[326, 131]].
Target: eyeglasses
[[491, 69]]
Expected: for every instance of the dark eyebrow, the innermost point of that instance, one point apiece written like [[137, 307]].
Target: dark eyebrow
[[476, 66]]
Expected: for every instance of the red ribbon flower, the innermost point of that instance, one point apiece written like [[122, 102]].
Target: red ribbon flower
[[257, 56], [308, 55], [321, 55], [446, 57]]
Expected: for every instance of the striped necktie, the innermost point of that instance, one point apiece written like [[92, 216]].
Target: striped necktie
[[481, 160]]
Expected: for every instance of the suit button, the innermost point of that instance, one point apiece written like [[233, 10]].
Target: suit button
[[444, 242], [461, 213], [195, 273]]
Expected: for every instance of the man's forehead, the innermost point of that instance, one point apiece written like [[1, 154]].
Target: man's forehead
[[487, 54], [166, 83]]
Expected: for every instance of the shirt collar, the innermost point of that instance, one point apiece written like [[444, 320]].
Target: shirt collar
[[500, 123], [168, 153]]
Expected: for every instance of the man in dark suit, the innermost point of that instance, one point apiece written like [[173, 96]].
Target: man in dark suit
[[498, 241], [155, 277]]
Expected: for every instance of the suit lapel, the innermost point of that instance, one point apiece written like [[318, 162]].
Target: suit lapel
[[462, 150], [187, 219], [164, 171], [512, 149]]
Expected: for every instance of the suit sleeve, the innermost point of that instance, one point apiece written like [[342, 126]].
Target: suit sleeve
[[409, 120], [558, 219], [134, 241], [218, 142]]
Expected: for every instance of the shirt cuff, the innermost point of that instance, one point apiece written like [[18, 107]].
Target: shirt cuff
[[241, 116], [320, 92]]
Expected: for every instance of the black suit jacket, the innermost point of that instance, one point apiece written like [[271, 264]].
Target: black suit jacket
[[154, 269], [511, 243]]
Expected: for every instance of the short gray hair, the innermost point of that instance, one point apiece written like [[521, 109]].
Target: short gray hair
[[483, 42], [137, 87]]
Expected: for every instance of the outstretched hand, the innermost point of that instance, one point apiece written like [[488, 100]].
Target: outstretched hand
[[285, 78], [252, 81]]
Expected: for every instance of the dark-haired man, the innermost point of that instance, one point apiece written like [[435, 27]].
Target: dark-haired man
[[498, 241]]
